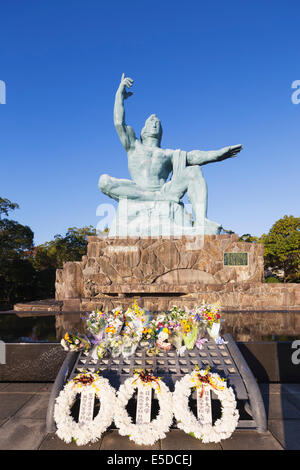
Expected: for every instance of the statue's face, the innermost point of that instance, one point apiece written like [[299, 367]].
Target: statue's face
[[152, 127]]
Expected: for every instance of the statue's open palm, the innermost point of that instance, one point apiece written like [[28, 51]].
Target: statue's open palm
[[229, 152]]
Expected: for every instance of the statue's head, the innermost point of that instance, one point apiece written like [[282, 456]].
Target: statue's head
[[152, 128]]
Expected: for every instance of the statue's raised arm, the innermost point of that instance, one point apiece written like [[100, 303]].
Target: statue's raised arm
[[126, 133]]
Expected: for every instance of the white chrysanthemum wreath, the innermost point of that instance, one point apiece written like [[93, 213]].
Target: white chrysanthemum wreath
[[187, 421], [82, 433], [149, 433]]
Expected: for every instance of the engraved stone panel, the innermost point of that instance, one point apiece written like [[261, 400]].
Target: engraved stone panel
[[235, 259]]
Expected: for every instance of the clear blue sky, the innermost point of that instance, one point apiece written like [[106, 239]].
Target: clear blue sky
[[217, 73]]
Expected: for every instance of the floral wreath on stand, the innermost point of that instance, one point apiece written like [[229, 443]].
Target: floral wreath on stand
[[146, 433], [82, 433], [187, 421]]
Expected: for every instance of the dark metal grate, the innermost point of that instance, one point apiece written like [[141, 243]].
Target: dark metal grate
[[167, 365]]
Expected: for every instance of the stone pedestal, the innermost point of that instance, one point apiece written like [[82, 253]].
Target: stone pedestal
[[157, 218], [162, 272]]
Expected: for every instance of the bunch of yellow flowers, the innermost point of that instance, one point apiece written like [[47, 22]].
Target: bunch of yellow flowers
[[186, 326]]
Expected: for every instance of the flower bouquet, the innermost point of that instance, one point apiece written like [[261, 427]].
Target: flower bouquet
[[214, 331], [78, 342], [138, 316], [102, 349], [200, 323], [148, 335], [116, 319], [174, 318], [113, 326], [95, 323], [190, 330], [163, 339], [176, 337], [211, 317], [131, 337], [117, 312], [113, 329], [129, 345], [115, 346], [131, 333], [176, 314]]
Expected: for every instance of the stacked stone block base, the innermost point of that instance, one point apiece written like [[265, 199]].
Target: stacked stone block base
[[162, 272]]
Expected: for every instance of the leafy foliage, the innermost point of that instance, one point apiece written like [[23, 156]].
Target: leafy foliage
[[247, 237], [282, 248], [28, 273], [272, 280], [51, 256], [70, 247], [6, 206], [16, 240], [16, 270]]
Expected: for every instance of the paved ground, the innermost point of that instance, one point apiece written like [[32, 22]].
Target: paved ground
[[23, 411]]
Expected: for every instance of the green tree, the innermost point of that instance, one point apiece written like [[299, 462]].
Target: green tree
[[6, 206], [70, 247], [51, 256], [282, 248], [16, 240], [28, 273], [16, 270], [229, 232], [247, 237]]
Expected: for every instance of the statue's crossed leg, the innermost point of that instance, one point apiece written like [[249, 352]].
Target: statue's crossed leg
[[190, 180]]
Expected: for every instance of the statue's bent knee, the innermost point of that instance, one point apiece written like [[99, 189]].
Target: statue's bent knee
[[104, 183]]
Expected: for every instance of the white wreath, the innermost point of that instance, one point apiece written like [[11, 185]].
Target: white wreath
[[144, 434], [187, 421], [67, 428]]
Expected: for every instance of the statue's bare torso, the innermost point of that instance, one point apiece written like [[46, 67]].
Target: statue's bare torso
[[149, 166]]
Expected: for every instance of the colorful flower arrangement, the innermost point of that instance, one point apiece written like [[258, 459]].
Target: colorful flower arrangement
[[136, 319], [210, 317], [96, 321], [118, 333], [115, 346], [208, 313], [78, 342]]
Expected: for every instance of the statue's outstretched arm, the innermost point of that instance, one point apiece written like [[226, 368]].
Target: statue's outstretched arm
[[126, 133], [201, 157]]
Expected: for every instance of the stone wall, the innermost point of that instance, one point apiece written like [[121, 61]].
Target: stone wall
[[172, 260], [238, 296], [161, 272]]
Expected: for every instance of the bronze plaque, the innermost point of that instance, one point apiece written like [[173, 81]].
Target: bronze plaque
[[235, 259]]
